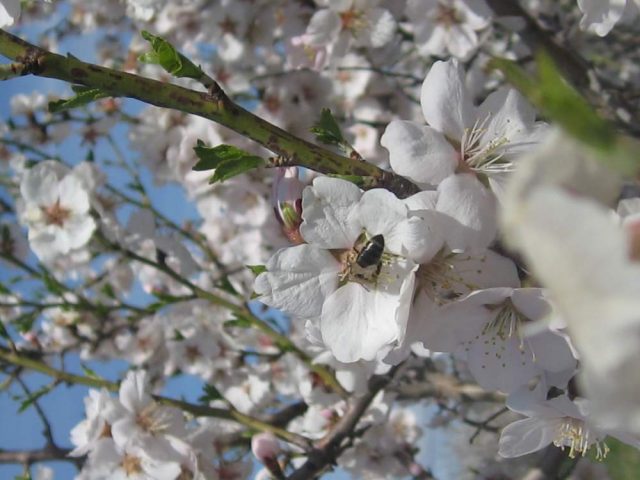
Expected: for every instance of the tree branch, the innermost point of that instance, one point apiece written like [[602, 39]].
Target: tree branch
[[231, 413], [29, 457], [327, 449], [213, 105]]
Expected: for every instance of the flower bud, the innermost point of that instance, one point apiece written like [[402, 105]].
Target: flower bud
[[287, 202], [266, 447]]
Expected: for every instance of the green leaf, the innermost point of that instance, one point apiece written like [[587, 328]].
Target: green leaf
[[165, 55], [177, 335], [25, 321], [108, 291], [84, 96], [227, 286], [232, 169], [89, 372], [3, 332], [52, 285], [34, 396], [227, 161], [559, 101], [238, 322], [623, 461], [210, 394], [257, 269], [327, 130]]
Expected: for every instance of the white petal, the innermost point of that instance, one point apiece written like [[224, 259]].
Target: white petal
[[419, 153], [446, 104], [379, 212], [526, 436], [380, 28], [472, 209], [600, 16], [357, 323], [323, 27], [133, 391], [298, 279], [9, 11], [329, 213]]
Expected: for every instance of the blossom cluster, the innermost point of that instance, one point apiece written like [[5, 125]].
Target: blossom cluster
[[287, 295]]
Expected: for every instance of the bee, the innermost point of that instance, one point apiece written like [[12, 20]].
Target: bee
[[371, 253]]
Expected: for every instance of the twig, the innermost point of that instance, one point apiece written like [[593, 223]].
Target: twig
[[214, 105]]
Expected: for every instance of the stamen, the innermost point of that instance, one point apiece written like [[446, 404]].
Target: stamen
[[573, 433], [440, 280]]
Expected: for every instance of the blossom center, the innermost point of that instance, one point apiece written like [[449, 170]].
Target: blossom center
[[447, 16], [440, 280], [573, 433], [498, 331], [507, 322], [482, 156], [352, 19], [151, 419], [56, 214], [131, 465]]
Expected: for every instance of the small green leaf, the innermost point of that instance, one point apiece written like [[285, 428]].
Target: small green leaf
[[84, 96], [89, 372], [25, 321], [623, 461], [327, 130], [238, 322], [52, 285], [108, 291], [227, 161], [34, 396], [165, 55], [210, 394], [3, 332], [177, 335], [229, 170], [257, 269], [225, 284]]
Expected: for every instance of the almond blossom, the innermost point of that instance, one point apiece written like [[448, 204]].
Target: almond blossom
[[448, 26], [321, 279], [600, 16], [461, 138], [56, 210], [555, 418]]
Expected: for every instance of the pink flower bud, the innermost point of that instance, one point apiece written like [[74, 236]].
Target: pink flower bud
[[287, 202], [265, 447]]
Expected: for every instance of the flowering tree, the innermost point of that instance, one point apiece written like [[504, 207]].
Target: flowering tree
[[399, 204]]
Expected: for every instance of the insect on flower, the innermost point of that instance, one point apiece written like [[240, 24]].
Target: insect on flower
[[371, 253]]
